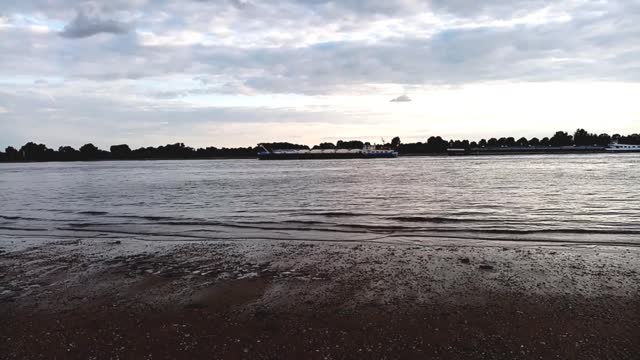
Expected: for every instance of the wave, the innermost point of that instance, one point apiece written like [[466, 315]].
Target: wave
[[144, 217], [333, 214], [14, 218], [94, 213], [319, 226], [21, 229], [470, 239], [435, 219], [6, 217]]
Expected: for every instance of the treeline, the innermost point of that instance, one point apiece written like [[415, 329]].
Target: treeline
[[435, 144], [580, 137], [341, 144], [39, 152]]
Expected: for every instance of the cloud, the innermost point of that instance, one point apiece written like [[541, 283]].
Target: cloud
[[493, 8], [452, 52], [84, 26], [401, 98]]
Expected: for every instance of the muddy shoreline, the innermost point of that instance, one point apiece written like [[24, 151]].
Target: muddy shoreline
[[281, 300]]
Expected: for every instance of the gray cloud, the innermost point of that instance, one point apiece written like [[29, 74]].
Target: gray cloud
[[535, 52], [401, 98], [493, 8], [84, 26]]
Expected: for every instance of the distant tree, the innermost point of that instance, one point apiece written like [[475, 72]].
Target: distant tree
[[534, 141], [545, 141], [436, 144], [285, 146], [633, 139], [325, 145], [459, 144], [120, 151], [493, 142], [454, 144], [67, 149], [207, 152], [35, 152], [522, 142], [87, 149], [603, 140], [581, 137], [91, 152], [395, 142], [353, 144], [174, 151], [561, 138], [473, 144], [11, 154], [482, 143], [67, 153]]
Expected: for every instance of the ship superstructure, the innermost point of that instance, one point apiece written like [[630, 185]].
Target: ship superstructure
[[616, 147]]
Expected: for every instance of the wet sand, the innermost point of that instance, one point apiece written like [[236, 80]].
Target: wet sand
[[86, 299]]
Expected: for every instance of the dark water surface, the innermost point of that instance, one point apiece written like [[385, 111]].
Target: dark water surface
[[550, 198]]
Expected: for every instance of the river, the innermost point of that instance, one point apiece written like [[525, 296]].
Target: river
[[561, 199]]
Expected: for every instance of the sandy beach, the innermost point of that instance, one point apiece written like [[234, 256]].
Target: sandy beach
[[90, 299]]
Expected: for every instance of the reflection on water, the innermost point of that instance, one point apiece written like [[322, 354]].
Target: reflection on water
[[568, 198]]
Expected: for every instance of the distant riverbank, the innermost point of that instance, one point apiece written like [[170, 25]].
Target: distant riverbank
[[517, 151], [477, 152], [524, 150], [560, 142]]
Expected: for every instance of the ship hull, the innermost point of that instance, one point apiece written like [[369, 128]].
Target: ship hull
[[630, 150], [323, 156]]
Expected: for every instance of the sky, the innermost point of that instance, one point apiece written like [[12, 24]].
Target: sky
[[238, 72]]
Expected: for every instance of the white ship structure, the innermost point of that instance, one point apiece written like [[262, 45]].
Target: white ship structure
[[616, 147]]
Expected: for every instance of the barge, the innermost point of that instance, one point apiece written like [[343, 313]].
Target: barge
[[367, 152]]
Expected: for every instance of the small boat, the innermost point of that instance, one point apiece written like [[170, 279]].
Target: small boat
[[367, 152], [615, 147]]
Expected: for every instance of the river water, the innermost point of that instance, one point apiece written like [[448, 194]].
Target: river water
[[559, 199]]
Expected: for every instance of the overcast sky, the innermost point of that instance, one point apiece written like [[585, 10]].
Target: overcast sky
[[238, 72]]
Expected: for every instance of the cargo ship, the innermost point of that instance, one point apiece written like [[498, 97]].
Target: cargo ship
[[367, 152]]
